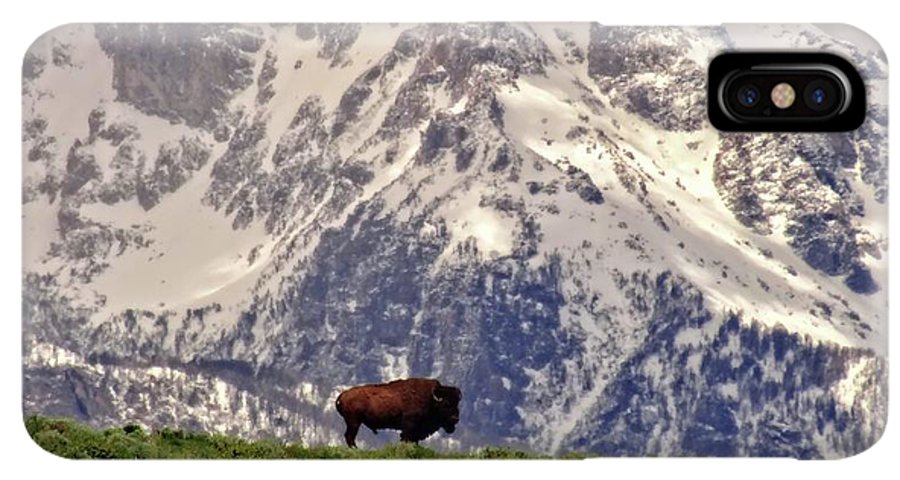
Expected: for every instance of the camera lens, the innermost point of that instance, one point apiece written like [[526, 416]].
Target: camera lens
[[820, 95], [748, 96]]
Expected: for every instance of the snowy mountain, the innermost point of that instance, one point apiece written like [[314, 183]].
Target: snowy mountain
[[226, 225]]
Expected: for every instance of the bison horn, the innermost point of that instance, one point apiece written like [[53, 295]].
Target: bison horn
[[436, 398]]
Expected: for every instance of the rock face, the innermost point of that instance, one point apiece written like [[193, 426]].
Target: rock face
[[168, 71], [229, 224]]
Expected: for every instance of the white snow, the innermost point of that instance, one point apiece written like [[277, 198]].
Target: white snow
[[66, 95], [195, 257], [491, 231], [729, 391], [307, 392], [41, 353], [847, 390], [39, 227], [663, 159], [394, 366]]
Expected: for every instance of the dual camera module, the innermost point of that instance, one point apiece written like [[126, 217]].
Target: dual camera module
[[784, 92]]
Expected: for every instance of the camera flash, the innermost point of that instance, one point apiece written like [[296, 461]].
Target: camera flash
[[783, 95]]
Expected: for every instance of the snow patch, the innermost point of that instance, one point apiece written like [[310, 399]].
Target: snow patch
[[850, 387], [492, 232]]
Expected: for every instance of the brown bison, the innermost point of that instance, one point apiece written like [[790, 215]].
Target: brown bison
[[417, 407]]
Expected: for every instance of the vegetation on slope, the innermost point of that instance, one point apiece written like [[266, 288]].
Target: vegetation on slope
[[71, 439]]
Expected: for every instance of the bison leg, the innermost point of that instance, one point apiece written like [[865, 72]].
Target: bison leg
[[409, 432], [408, 437], [350, 433]]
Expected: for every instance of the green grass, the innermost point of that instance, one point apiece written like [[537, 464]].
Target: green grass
[[70, 439]]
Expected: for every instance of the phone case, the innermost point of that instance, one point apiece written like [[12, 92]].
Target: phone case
[[226, 226]]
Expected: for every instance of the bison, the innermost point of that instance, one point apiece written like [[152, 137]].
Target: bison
[[417, 407]]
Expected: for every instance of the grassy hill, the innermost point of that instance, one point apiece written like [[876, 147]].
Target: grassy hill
[[71, 439]]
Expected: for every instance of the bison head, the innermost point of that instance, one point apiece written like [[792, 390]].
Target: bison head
[[445, 401]]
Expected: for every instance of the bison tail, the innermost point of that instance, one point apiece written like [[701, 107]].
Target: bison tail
[[338, 405]]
